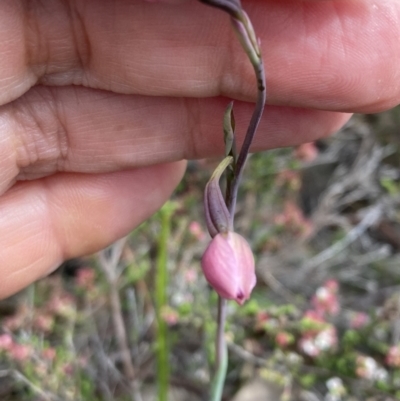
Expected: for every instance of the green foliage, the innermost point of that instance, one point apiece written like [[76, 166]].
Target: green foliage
[[307, 380], [161, 301], [390, 185], [136, 272], [250, 308], [351, 339]]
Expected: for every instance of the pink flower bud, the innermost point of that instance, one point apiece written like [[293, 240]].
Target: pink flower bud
[[228, 265], [307, 152], [393, 356]]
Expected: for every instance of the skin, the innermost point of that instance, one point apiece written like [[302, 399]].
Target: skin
[[102, 100]]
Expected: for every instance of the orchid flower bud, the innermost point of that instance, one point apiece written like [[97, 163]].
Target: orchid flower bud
[[228, 265]]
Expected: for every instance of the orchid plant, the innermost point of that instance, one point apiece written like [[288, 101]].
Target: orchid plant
[[228, 262]]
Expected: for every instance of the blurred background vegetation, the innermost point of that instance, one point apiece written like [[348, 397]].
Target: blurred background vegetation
[[137, 321]]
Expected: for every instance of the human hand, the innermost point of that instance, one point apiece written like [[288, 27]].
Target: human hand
[[101, 99]]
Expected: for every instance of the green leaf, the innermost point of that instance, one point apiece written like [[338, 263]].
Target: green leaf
[[229, 132]]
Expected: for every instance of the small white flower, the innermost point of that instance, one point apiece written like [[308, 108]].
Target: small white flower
[[293, 358], [336, 389], [381, 375], [334, 383], [308, 347], [322, 293], [326, 339], [370, 366]]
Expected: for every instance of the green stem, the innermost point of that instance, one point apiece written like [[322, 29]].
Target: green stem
[[217, 385], [161, 301]]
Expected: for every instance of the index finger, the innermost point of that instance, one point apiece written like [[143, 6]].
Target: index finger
[[332, 55]]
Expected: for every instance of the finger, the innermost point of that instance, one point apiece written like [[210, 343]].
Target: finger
[[333, 55], [46, 221], [81, 130]]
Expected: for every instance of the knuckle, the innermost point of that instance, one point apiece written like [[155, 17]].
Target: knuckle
[[41, 135]]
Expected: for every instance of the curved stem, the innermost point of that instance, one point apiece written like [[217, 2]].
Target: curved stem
[[247, 37], [251, 130]]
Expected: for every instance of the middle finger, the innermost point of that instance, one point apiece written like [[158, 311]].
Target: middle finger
[[83, 130]]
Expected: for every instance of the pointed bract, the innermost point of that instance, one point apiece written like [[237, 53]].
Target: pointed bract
[[217, 214]]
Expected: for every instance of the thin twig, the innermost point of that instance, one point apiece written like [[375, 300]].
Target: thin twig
[[109, 266], [370, 218], [246, 355], [22, 378], [278, 287]]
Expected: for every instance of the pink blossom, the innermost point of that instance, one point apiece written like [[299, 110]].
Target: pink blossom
[[44, 323], [368, 368], [289, 178], [332, 285], [294, 220], [308, 347], [358, 320], [306, 152], [190, 276], [197, 231], [49, 353], [261, 319], [85, 277], [262, 316], [6, 342], [68, 369], [393, 356], [313, 343], [283, 339], [228, 265], [313, 316], [325, 300], [170, 316], [16, 321], [312, 327], [20, 352], [63, 305], [326, 340]]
